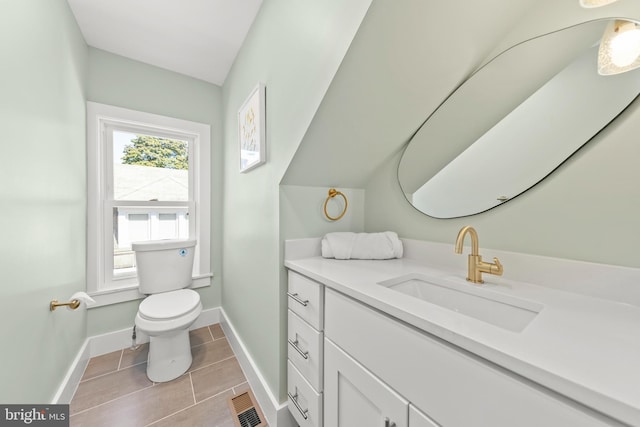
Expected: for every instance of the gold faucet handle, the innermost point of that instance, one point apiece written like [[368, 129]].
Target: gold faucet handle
[[496, 268]]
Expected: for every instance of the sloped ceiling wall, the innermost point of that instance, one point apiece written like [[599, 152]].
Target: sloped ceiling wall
[[407, 56]]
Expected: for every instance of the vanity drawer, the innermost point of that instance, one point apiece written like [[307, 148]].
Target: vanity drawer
[[305, 349], [304, 402], [306, 299]]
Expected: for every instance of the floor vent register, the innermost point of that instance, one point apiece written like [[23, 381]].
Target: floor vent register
[[246, 411]]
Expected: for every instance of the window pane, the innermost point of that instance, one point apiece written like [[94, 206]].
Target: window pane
[[167, 226], [134, 224], [138, 227], [149, 168]]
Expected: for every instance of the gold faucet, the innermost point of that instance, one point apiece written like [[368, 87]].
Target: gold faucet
[[476, 265]]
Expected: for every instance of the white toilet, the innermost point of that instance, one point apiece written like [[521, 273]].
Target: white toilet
[[164, 270]]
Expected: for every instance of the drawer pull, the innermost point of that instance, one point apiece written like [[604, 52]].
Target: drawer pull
[[294, 344], [294, 399], [296, 298], [389, 423]]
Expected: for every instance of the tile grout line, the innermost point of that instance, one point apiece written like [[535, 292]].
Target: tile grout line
[[238, 385], [112, 400], [121, 368], [193, 391], [200, 345], [214, 363], [131, 366], [112, 372], [220, 393], [170, 415], [198, 403], [232, 390], [120, 361], [213, 339]]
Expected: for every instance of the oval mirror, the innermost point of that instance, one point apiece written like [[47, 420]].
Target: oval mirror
[[513, 122]]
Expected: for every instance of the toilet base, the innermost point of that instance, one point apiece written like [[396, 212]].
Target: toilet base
[[169, 356]]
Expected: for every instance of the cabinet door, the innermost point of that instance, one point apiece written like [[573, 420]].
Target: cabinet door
[[451, 386], [354, 397]]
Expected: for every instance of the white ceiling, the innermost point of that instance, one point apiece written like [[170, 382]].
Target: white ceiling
[[198, 38]]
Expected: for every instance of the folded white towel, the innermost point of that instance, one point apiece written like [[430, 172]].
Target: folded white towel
[[348, 245]]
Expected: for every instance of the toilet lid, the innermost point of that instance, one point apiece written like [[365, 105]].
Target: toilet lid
[[168, 305]]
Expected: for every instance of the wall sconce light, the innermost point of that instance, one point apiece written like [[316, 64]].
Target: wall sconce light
[[595, 3], [620, 48]]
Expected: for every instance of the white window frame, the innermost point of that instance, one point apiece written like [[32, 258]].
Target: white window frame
[[102, 285]]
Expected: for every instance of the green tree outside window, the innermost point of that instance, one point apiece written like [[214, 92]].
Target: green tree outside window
[[156, 152]]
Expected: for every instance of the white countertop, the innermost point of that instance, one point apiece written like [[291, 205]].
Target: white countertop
[[583, 347]]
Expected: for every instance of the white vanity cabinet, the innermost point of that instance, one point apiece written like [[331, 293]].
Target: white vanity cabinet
[[453, 387], [305, 350], [352, 365], [355, 397]]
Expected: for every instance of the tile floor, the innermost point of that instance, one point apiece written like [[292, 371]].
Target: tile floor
[[115, 391]]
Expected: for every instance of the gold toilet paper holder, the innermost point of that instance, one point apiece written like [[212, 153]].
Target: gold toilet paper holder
[[73, 304]]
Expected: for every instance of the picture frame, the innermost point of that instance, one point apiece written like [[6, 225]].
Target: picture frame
[[251, 130]]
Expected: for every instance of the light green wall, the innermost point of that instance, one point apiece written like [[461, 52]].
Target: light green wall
[[302, 211], [122, 82], [398, 70], [584, 211], [294, 48], [405, 59], [43, 73], [110, 318]]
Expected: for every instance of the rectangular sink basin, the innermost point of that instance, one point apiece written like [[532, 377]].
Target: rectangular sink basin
[[507, 312]]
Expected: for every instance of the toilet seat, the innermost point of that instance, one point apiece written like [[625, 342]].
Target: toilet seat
[[169, 305]]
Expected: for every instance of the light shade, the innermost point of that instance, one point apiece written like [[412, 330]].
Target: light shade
[[620, 48], [595, 3]]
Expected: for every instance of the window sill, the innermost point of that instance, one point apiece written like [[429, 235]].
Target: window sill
[[130, 293]]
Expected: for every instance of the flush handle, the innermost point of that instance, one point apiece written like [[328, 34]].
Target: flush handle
[[389, 423]]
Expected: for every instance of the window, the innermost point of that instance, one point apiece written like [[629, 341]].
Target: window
[[148, 179]]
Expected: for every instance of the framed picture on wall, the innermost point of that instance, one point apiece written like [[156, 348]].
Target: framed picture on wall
[[251, 130]]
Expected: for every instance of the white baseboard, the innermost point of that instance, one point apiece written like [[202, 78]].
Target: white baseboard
[[112, 341], [277, 414], [71, 380], [117, 340]]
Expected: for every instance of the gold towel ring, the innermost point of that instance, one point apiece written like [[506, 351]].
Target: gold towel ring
[[333, 193]]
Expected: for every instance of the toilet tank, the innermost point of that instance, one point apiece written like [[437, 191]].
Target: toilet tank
[[164, 265]]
